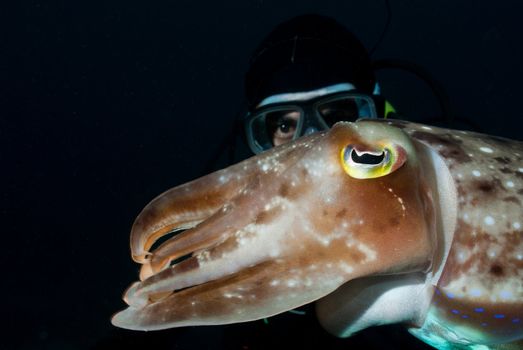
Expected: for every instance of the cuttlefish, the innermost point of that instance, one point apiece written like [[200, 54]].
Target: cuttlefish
[[378, 221]]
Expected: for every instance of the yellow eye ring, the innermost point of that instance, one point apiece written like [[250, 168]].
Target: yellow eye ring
[[362, 162]]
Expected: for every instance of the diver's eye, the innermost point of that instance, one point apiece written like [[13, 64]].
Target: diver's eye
[[362, 162]]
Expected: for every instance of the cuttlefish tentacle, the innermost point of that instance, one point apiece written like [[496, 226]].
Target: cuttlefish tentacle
[[271, 250]]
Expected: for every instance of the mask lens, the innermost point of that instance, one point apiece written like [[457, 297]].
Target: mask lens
[[347, 108], [274, 127]]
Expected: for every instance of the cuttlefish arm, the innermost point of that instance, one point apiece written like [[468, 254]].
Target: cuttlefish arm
[[190, 204], [288, 227]]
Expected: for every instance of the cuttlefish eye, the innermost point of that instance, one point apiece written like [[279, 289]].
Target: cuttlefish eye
[[362, 162]]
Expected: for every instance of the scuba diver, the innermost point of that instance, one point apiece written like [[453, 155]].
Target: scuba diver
[[307, 74]]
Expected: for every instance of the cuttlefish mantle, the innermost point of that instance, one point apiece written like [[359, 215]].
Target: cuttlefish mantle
[[379, 221]]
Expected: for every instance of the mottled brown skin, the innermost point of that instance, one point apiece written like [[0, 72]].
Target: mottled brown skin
[[290, 226], [485, 268]]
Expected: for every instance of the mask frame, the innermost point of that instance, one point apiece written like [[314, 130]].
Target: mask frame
[[310, 118]]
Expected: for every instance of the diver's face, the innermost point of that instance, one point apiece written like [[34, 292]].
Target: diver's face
[[282, 126]]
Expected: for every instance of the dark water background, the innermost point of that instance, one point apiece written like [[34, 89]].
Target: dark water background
[[106, 104]]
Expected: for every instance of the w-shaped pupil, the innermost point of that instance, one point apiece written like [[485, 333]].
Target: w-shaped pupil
[[367, 158]]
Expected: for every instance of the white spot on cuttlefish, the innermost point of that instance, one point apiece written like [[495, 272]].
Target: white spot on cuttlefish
[[505, 294], [346, 267], [233, 295], [325, 241], [492, 253], [489, 220], [510, 184], [292, 283], [463, 256], [476, 293], [400, 200], [476, 173], [486, 149], [516, 225]]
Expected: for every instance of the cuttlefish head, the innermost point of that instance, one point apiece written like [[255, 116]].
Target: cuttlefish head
[[281, 229]]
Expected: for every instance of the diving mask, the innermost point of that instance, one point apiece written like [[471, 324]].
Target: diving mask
[[277, 122]]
